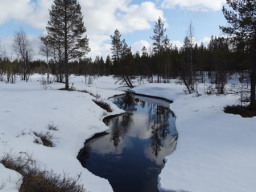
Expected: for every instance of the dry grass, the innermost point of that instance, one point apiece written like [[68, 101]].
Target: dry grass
[[97, 96], [103, 105], [40, 181], [44, 138], [52, 127]]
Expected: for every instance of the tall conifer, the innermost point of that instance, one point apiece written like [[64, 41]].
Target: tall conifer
[[66, 27], [241, 16]]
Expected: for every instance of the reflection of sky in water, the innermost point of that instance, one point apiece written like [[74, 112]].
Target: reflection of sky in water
[[165, 151], [104, 146], [135, 146], [142, 130]]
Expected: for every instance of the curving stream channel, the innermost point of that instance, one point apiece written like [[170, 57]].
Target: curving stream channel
[[131, 153]]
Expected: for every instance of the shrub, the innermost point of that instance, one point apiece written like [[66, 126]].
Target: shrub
[[40, 181], [45, 138], [103, 105], [97, 96], [52, 127], [247, 111]]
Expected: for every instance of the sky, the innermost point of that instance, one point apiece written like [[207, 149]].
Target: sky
[[134, 19]]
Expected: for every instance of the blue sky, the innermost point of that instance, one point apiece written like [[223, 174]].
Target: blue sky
[[178, 20], [134, 19]]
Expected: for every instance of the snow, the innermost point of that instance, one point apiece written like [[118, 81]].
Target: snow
[[9, 180], [29, 107], [215, 151]]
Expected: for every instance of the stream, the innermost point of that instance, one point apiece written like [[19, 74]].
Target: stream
[[130, 155]]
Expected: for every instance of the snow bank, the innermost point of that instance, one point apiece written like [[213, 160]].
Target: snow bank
[[31, 107], [215, 151], [9, 180]]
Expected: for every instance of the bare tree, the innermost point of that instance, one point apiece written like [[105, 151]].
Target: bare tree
[[46, 50], [190, 35], [23, 49], [188, 74]]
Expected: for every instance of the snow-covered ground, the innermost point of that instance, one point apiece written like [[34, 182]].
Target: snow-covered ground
[[30, 107], [215, 151]]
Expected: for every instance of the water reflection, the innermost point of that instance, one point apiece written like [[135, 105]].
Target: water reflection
[[131, 154]]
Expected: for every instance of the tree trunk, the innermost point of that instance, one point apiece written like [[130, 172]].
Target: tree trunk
[[253, 74], [66, 51], [24, 72]]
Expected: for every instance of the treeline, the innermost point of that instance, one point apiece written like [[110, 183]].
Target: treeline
[[65, 48], [218, 56], [10, 71]]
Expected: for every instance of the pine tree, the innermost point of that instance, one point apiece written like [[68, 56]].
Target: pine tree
[[242, 19], [66, 28], [219, 50], [116, 46], [144, 51], [161, 44], [121, 56], [108, 65], [186, 65], [159, 36]]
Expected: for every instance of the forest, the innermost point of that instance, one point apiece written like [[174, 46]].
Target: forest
[[192, 63], [162, 119], [216, 61]]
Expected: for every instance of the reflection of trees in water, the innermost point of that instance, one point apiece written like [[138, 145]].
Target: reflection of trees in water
[[121, 124], [158, 121], [159, 124], [127, 103], [119, 127], [141, 103], [115, 132]]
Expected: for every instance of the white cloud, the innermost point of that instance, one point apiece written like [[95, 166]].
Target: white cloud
[[100, 46], [104, 16], [138, 17], [7, 47], [137, 46], [39, 15], [18, 10], [205, 41], [35, 14], [194, 5], [178, 44], [101, 17]]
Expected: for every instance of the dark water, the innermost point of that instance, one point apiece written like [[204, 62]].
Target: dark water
[[131, 154]]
